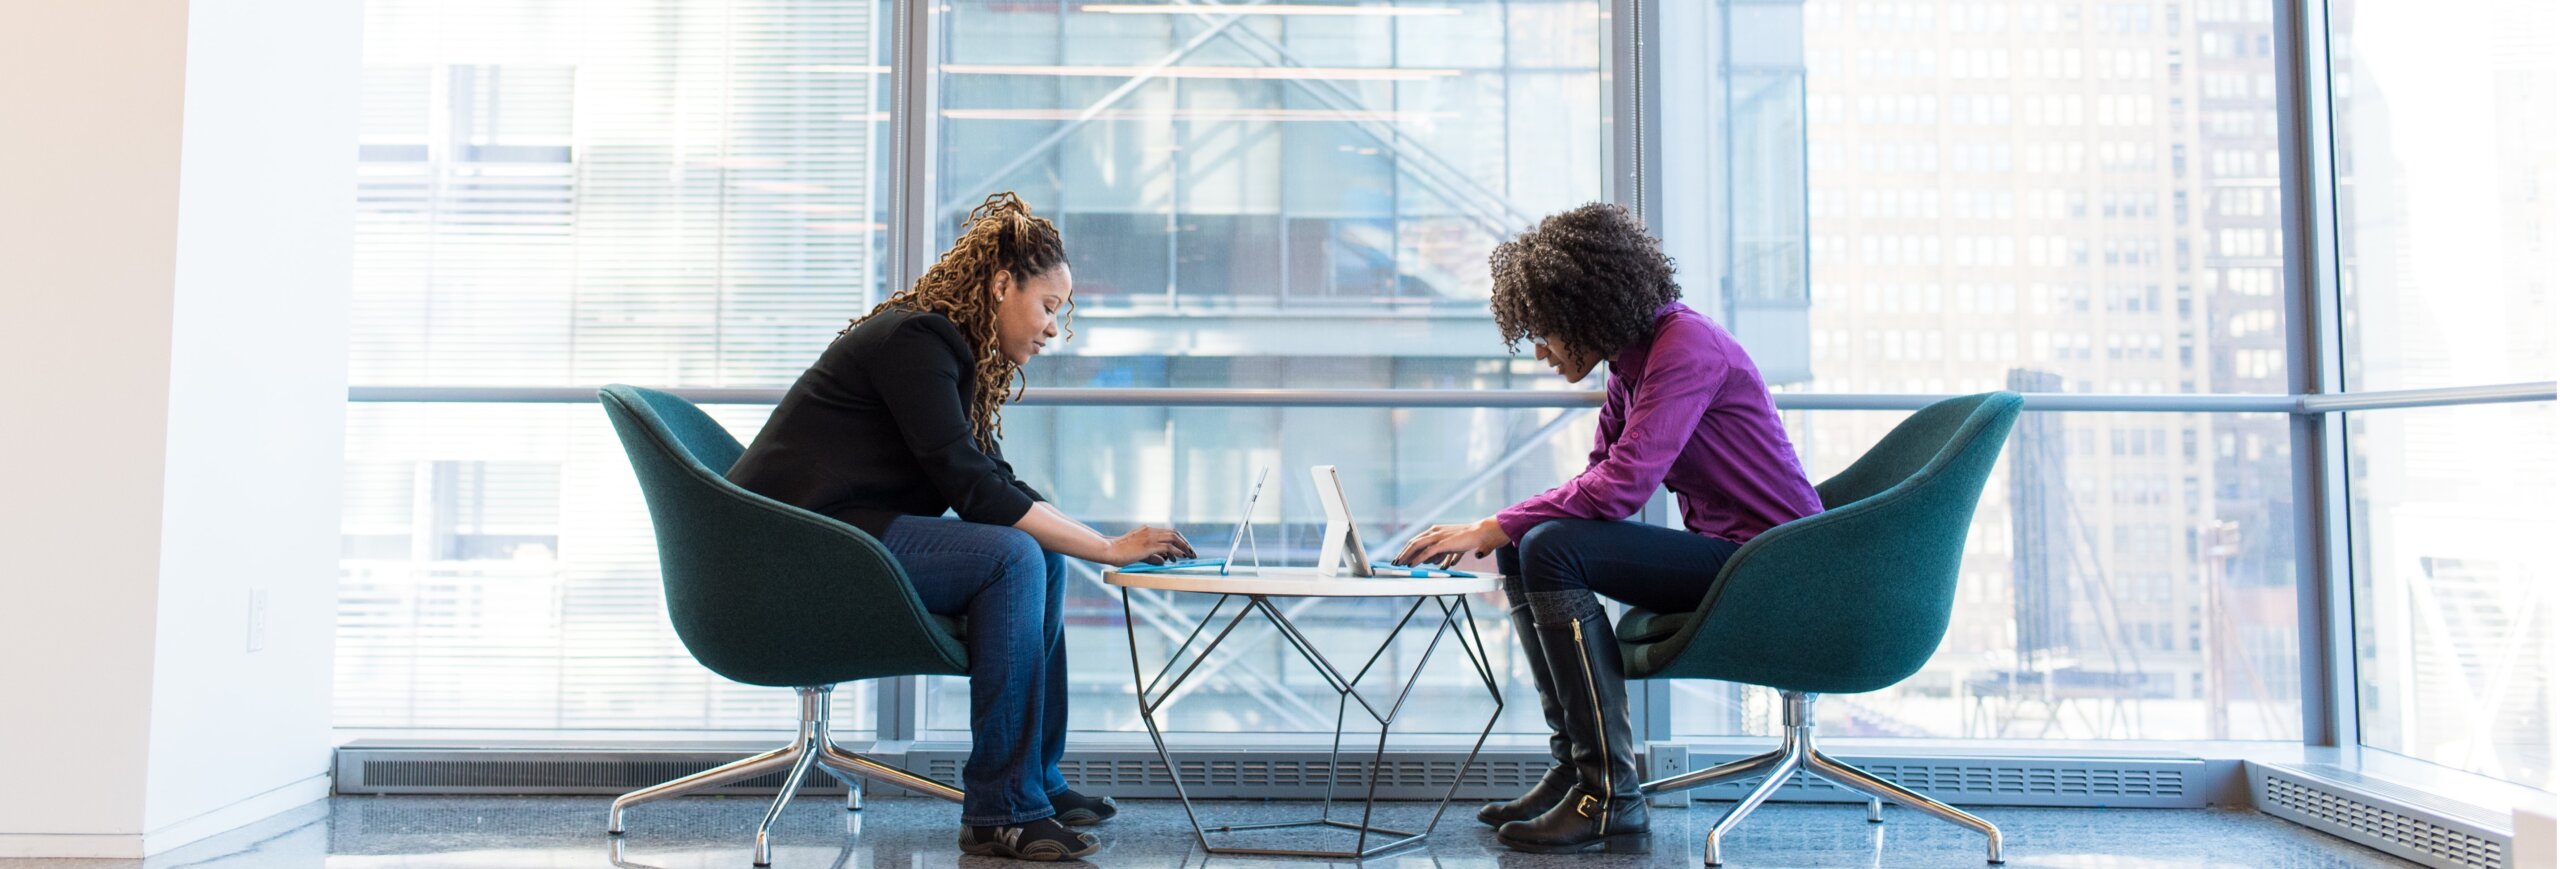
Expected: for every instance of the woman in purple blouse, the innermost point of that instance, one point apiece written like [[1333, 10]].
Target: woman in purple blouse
[[1686, 409]]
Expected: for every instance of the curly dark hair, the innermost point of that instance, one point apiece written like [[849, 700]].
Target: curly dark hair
[[1000, 235], [1591, 276]]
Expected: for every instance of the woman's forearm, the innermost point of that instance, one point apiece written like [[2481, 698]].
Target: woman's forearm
[[1062, 534]]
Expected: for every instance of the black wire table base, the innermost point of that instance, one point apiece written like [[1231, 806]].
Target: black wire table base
[[1456, 620]]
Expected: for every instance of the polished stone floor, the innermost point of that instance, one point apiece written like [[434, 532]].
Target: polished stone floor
[[534, 832]]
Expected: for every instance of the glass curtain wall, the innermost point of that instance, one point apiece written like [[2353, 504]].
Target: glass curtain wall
[[1877, 197], [2448, 191]]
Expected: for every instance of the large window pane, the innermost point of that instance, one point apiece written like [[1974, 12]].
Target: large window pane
[[682, 193], [499, 574], [2088, 191], [2448, 191], [2040, 197], [2446, 221], [2454, 580], [2115, 586]]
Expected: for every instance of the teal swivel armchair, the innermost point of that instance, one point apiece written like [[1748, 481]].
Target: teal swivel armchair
[[765, 593], [1851, 600]]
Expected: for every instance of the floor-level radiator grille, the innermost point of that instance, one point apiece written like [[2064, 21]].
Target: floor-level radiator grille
[[2127, 782], [1286, 774], [2401, 821]]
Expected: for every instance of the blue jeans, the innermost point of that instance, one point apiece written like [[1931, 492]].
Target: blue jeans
[[1014, 597], [1666, 570]]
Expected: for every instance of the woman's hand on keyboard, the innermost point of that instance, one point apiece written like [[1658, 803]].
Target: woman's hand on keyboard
[[1150, 545]]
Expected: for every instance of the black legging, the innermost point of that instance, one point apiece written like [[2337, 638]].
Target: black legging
[[1666, 570]]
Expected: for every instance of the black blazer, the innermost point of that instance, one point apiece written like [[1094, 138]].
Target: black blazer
[[879, 428]]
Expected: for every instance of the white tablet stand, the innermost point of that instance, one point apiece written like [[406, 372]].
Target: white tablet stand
[[1341, 538], [1243, 535], [1251, 546]]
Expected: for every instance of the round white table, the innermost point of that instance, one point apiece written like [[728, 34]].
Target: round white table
[[1256, 587]]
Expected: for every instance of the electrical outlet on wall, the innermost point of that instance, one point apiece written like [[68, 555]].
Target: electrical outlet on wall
[[1663, 760], [257, 618]]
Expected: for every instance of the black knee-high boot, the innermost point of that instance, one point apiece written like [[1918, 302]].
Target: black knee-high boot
[[1549, 790], [1604, 808]]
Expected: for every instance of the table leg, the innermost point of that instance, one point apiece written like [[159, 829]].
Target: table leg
[[1454, 611]]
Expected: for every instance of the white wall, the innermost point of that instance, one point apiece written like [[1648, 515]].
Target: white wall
[[176, 186], [257, 402], [89, 130]]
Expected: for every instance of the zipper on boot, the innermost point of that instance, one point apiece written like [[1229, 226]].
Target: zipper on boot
[[1591, 689]]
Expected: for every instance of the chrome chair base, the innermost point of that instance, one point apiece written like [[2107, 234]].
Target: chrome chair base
[[1796, 753], [813, 748]]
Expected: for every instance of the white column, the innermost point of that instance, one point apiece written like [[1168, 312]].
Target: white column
[[176, 192]]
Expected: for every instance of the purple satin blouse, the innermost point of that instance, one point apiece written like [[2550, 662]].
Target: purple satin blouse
[[1686, 410]]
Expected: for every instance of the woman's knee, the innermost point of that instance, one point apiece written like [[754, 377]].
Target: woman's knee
[[1547, 556], [1016, 567], [1542, 537], [1019, 556]]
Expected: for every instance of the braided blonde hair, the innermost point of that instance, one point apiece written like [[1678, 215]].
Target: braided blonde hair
[[1000, 235]]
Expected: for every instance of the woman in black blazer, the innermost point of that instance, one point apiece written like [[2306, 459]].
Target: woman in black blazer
[[897, 423]]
